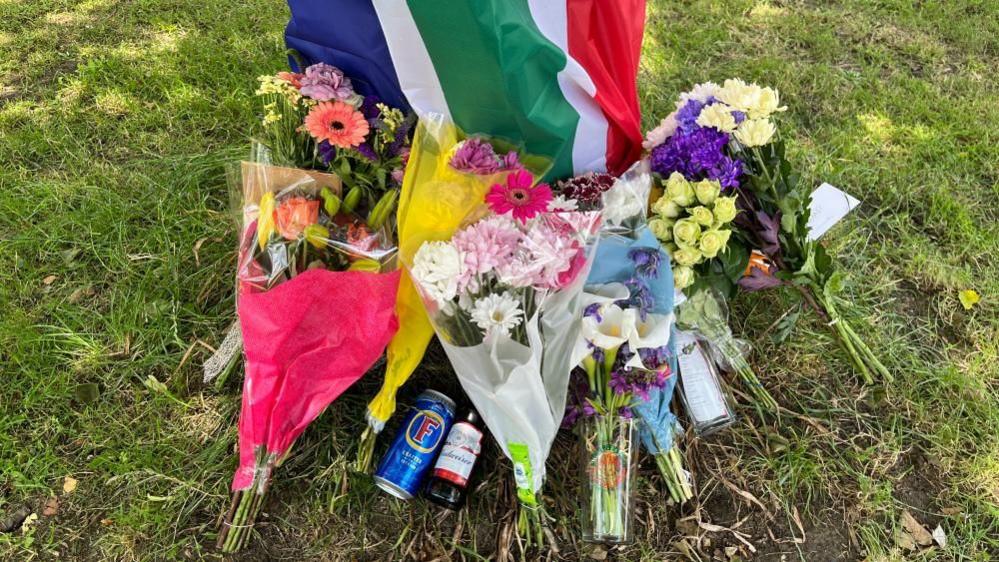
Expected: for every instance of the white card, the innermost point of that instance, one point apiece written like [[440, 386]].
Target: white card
[[704, 399], [828, 206]]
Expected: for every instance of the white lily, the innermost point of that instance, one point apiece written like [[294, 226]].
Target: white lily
[[611, 328], [651, 333]]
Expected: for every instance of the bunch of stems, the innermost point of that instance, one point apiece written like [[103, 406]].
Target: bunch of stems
[[610, 488], [237, 526], [865, 361], [670, 464], [745, 371]]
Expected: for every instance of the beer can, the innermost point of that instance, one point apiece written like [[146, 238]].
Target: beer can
[[411, 456]]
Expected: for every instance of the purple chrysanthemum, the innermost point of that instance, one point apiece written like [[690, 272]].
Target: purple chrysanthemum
[[475, 156], [687, 115], [697, 154]]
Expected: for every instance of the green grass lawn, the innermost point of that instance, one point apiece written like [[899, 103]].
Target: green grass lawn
[[116, 265]]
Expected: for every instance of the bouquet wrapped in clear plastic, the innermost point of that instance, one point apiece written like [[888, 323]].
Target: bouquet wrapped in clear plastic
[[316, 288], [503, 294]]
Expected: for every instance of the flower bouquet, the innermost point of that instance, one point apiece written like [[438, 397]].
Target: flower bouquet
[[447, 177], [625, 355], [316, 121], [727, 133], [315, 301], [503, 295]]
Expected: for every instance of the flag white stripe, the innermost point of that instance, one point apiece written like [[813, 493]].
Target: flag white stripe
[[412, 62], [589, 147]]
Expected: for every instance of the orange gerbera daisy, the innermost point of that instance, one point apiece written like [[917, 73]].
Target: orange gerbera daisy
[[337, 122]]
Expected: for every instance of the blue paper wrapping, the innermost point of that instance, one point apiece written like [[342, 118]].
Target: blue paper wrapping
[[612, 265]]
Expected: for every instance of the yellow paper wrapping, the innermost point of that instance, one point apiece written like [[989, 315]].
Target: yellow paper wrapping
[[434, 201]]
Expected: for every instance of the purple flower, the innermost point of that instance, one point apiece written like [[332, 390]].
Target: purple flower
[[572, 413], [655, 358], [727, 172], [619, 383], [511, 161], [593, 310], [327, 152], [625, 412], [646, 261], [698, 153], [401, 140], [640, 297], [397, 175], [588, 409], [739, 116], [369, 107], [687, 115], [475, 156], [365, 149], [323, 82]]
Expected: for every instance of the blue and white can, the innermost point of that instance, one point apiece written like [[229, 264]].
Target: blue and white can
[[403, 468]]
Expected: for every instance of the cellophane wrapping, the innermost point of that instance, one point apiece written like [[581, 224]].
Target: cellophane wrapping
[[516, 376]]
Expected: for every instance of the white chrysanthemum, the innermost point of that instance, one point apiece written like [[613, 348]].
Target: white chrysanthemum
[[497, 313], [701, 92], [740, 95], [766, 104], [717, 115], [437, 267], [755, 132], [665, 130]]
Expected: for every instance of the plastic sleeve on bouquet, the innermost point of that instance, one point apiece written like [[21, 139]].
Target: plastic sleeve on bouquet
[[434, 201]]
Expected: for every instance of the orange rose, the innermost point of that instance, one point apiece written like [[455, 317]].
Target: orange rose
[[296, 213]]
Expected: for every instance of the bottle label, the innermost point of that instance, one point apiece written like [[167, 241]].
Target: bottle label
[[457, 458]]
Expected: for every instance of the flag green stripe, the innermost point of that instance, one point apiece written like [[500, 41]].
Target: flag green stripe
[[499, 74]]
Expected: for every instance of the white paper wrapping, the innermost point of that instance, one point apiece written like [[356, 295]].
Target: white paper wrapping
[[519, 390]]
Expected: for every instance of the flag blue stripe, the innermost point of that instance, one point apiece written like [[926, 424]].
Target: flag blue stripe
[[348, 35]]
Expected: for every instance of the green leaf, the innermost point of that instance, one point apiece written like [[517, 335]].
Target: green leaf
[[734, 261], [834, 285], [786, 325]]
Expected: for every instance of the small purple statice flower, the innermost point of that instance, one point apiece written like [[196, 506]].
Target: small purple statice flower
[[365, 149], [324, 82], [593, 310]]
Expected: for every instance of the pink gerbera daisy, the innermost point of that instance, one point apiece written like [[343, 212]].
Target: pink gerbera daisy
[[518, 197], [337, 122]]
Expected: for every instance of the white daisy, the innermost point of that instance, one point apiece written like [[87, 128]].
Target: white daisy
[[497, 313]]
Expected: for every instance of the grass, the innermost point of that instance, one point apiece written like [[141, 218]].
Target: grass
[[116, 121]]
